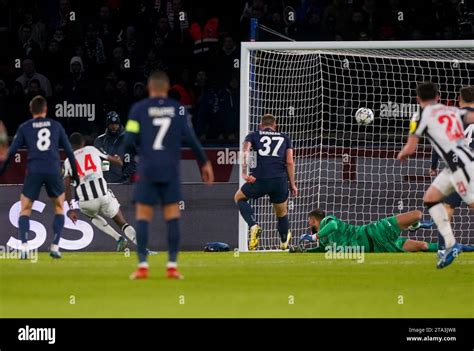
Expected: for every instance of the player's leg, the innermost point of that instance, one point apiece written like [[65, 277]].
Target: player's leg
[[110, 208], [145, 196], [278, 193], [126, 228], [241, 197], [58, 224], [281, 212], [24, 223], [172, 214], [442, 186], [91, 209], [433, 198], [30, 192], [55, 189]]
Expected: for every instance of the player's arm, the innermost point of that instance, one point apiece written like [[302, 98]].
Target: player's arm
[[3, 142], [290, 169], [328, 229], [245, 156], [68, 191], [115, 159], [409, 148], [434, 162], [69, 153], [417, 128], [207, 172]]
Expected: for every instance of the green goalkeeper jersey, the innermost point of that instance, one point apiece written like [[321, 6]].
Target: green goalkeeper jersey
[[379, 236], [334, 231]]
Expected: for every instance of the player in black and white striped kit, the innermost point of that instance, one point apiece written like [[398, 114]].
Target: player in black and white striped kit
[[443, 126], [95, 199]]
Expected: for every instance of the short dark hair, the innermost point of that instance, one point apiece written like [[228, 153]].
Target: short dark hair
[[467, 94], [317, 213], [76, 139], [158, 78], [268, 120], [427, 91], [38, 105]]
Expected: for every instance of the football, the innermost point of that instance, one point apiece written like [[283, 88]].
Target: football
[[364, 116]]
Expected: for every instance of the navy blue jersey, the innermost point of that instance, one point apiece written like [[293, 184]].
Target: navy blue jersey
[[158, 126], [270, 149], [42, 137]]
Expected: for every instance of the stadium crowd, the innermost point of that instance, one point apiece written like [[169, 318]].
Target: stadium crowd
[[101, 52]]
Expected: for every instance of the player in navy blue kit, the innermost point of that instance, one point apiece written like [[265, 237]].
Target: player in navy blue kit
[[157, 125], [274, 168], [453, 201], [42, 137]]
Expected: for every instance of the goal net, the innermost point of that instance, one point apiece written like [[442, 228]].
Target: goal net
[[347, 169]]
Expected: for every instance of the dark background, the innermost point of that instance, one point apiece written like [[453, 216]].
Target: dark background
[[198, 52]]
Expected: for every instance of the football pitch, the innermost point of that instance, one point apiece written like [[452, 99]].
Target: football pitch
[[249, 285]]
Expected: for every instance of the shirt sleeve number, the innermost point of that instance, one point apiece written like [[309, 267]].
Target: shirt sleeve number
[[164, 124], [267, 145]]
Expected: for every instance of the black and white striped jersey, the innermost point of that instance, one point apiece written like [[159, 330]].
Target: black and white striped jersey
[[89, 168], [443, 126]]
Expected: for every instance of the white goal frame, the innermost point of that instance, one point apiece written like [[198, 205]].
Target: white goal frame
[[248, 47]]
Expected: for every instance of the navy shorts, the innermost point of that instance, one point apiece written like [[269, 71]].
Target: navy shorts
[[34, 182], [453, 200], [151, 193], [275, 188]]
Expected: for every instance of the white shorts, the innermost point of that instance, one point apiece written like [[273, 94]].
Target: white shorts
[[107, 206], [448, 182]]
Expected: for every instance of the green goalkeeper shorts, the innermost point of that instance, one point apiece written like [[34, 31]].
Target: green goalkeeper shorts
[[384, 235]]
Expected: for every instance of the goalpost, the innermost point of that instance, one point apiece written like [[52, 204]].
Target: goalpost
[[346, 169]]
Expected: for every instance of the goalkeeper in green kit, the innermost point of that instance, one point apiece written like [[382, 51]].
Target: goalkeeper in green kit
[[380, 236]]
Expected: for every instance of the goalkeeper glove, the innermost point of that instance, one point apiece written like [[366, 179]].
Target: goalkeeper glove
[[306, 237]]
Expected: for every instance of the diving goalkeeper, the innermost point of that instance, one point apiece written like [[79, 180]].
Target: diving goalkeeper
[[380, 236]]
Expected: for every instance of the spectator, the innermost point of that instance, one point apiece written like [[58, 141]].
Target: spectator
[[214, 111], [34, 89], [94, 47], [139, 91], [76, 87], [113, 143], [227, 58], [53, 61], [30, 73], [29, 47], [17, 111]]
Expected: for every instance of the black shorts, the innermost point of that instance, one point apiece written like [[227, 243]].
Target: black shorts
[[34, 182], [152, 193], [275, 188], [453, 200]]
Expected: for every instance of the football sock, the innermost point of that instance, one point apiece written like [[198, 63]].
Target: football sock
[[130, 232], [440, 217], [283, 227], [247, 212], [142, 240], [433, 247], [441, 245], [173, 239], [102, 225], [24, 227], [58, 225]]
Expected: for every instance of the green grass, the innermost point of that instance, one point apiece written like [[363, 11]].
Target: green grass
[[251, 285]]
